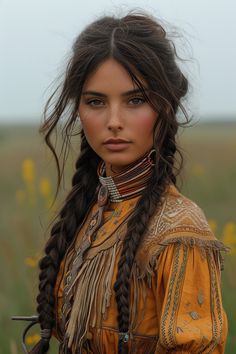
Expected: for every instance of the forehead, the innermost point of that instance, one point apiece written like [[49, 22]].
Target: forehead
[[110, 77]]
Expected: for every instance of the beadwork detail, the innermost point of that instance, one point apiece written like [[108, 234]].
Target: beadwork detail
[[124, 336]]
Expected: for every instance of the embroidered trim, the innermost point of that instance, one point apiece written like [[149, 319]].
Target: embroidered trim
[[167, 335], [178, 288], [178, 220], [217, 322]]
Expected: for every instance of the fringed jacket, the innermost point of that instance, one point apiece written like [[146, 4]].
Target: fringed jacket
[[175, 299]]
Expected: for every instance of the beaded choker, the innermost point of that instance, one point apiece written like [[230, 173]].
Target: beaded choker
[[130, 182]]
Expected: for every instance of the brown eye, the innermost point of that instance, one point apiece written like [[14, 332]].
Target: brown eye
[[95, 103], [136, 101]]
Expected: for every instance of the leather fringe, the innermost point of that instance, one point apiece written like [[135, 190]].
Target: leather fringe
[[146, 265], [92, 297]]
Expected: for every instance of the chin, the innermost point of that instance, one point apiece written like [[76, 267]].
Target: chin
[[120, 163]]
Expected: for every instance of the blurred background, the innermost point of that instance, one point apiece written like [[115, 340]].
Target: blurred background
[[35, 41]]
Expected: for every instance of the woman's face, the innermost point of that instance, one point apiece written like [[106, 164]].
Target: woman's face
[[117, 120]]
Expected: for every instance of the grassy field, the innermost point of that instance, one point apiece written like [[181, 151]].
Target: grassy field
[[27, 181]]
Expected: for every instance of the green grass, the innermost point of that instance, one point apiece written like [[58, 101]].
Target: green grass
[[209, 179]]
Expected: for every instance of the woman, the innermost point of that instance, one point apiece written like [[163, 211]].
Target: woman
[[131, 265]]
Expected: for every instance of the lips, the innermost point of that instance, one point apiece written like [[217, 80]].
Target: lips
[[116, 145], [116, 141]]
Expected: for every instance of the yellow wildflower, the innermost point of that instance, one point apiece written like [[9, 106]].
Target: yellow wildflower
[[28, 174], [46, 191], [28, 171], [229, 236], [31, 261], [45, 187], [33, 339], [213, 225]]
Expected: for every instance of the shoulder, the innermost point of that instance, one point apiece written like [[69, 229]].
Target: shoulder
[[178, 220], [178, 214]]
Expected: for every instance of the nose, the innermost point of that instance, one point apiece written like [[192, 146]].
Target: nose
[[114, 121]]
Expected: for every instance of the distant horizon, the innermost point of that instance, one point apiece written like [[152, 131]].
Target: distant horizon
[[228, 118]]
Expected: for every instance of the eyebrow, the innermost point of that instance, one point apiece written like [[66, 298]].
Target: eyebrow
[[125, 94]]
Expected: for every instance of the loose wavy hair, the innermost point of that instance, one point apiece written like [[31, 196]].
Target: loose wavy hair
[[141, 45]]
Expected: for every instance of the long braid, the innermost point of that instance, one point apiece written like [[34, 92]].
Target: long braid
[[136, 228], [84, 184]]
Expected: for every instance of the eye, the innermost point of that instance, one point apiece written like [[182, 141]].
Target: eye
[[95, 103], [136, 101]]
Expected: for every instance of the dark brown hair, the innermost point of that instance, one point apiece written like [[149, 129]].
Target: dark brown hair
[[141, 45]]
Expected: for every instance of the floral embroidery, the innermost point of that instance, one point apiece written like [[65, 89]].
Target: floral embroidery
[[200, 298], [194, 315], [179, 330]]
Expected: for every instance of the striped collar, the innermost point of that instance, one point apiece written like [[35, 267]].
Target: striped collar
[[130, 182]]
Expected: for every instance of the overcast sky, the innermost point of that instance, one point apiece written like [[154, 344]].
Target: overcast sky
[[36, 37]]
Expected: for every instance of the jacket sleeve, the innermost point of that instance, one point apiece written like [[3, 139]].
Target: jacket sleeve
[[188, 298]]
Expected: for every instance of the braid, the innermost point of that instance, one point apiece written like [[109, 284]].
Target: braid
[[84, 184], [168, 157], [135, 230]]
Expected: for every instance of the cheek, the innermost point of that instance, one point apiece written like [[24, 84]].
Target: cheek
[[88, 122], [90, 130], [145, 122]]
